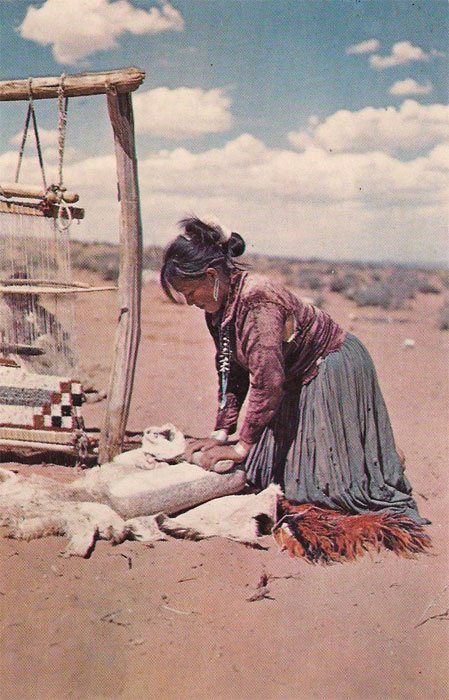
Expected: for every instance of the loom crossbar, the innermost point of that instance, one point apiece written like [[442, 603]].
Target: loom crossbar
[[34, 209], [52, 437], [15, 189], [20, 349], [47, 446], [62, 289], [123, 80]]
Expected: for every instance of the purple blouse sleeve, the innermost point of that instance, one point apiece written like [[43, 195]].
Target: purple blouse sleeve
[[262, 334]]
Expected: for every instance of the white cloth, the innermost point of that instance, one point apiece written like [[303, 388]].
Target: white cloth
[[163, 443]]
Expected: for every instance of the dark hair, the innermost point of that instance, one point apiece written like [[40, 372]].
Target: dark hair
[[200, 246]]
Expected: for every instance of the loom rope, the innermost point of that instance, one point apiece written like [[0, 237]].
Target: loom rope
[[31, 114], [62, 124], [64, 218]]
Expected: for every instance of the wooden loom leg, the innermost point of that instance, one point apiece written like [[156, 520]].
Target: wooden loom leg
[[130, 278]]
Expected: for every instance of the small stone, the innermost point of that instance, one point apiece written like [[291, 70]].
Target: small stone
[[137, 642]]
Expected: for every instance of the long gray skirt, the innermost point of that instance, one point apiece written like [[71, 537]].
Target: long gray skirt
[[331, 443]]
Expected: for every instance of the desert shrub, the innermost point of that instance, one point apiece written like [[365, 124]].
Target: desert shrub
[[391, 292], [104, 258], [387, 294], [443, 319], [444, 277], [426, 286], [373, 294], [376, 276], [107, 264], [315, 282], [110, 274], [404, 283], [308, 280], [95, 259], [341, 283], [152, 257]]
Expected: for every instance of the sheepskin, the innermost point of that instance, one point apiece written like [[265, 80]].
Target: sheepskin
[[34, 507], [241, 518]]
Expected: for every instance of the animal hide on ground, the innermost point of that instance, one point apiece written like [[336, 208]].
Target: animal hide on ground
[[34, 507], [113, 501], [241, 518]]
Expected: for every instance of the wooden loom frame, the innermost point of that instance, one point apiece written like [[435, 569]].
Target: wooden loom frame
[[117, 85]]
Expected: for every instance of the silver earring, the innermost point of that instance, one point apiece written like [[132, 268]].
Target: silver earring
[[216, 288]]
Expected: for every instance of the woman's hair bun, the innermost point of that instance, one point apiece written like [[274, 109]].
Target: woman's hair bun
[[200, 231], [209, 232], [235, 245]]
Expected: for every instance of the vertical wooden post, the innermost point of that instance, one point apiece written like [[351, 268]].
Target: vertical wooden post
[[130, 278]]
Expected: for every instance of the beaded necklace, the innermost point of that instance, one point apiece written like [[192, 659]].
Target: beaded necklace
[[224, 362]]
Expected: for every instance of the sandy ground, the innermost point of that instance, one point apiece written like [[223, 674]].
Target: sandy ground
[[174, 621]]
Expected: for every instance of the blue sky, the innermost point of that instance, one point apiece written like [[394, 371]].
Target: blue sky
[[258, 112]]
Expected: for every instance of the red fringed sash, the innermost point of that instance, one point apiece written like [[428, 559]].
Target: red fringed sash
[[322, 535]]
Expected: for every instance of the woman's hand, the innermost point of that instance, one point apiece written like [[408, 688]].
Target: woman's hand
[[199, 445], [212, 455]]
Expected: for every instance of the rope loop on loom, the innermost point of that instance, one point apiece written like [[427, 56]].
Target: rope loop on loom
[[112, 89], [63, 223], [31, 114], [64, 216]]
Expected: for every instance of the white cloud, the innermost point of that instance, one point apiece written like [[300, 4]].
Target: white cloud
[[51, 154], [77, 28], [370, 205], [182, 112], [49, 146], [367, 46], [47, 137], [311, 203], [367, 205], [439, 156], [410, 87], [411, 127], [403, 52], [245, 170], [30, 172], [438, 54]]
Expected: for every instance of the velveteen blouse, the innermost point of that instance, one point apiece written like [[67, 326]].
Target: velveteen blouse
[[268, 341]]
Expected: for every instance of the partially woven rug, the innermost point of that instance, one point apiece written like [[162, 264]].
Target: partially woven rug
[[322, 535]]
